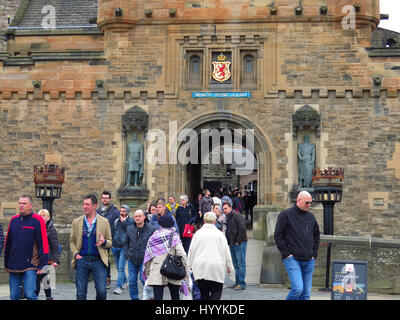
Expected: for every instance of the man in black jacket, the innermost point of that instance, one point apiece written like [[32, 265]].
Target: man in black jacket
[[118, 233], [237, 241], [297, 238], [109, 211], [137, 236]]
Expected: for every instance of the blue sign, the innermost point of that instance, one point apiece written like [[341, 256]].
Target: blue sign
[[221, 94]]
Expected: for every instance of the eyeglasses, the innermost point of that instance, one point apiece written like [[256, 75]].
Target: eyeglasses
[[308, 202]]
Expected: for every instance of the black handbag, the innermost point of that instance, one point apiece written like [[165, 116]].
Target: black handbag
[[172, 266]]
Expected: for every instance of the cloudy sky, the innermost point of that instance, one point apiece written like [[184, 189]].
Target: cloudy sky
[[391, 7]]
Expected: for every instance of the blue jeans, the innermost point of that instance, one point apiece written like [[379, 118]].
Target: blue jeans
[[120, 262], [133, 278], [238, 253], [85, 267], [300, 276], [28, 279]]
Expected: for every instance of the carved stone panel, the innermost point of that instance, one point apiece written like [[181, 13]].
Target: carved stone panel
[[135, 119], [306, 118]]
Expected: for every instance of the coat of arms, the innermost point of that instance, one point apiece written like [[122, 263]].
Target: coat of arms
[[221, 71]]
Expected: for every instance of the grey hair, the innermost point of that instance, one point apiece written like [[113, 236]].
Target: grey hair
[[303, 194], [210, 217], [184, 197], [139, 211]]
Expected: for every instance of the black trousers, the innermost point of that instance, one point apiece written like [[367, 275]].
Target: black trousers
[[173, 290], [210, 290]]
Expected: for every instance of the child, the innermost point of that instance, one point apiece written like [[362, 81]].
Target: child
[[54, 260]]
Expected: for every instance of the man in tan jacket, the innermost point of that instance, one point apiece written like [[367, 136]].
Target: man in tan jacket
[[90, 238]]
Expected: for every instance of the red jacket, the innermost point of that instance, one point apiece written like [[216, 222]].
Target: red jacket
[[26, 245]]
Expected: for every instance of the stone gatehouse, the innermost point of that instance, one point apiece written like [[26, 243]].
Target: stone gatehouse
[[78, 78]]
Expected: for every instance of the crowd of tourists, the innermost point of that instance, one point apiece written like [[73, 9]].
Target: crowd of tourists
[[189, 248], [208, 236]]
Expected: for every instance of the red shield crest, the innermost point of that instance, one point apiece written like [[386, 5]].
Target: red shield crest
[[221, 71]]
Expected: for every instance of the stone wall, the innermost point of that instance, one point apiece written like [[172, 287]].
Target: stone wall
[[8, 8], [383, 257], [62, 97], [85, 136]]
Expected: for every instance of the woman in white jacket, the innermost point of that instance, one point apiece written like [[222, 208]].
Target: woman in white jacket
[[209, 258]]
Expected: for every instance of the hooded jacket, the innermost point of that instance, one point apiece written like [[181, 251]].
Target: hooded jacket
[[52, 238], [27, 247], [297, 233], [119, 231]]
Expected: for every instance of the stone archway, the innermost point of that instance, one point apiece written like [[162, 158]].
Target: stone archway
[[266, 159]]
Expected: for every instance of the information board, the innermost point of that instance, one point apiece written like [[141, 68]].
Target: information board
[[349, 280], [246, 94]]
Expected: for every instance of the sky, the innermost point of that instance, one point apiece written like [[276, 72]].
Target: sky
[[391, 7]]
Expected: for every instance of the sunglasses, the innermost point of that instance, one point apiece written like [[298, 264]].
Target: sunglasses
[[308, 202]]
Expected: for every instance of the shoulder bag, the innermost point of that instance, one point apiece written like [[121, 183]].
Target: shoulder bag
[[172, 266]]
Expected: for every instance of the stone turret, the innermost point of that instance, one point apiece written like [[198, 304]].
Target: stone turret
[[118, 15]]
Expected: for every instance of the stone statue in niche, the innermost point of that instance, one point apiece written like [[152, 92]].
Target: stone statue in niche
[[306, 158], [134, 162]]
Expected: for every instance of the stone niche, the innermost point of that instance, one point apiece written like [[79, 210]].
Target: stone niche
[[306, 124], [133, 190]]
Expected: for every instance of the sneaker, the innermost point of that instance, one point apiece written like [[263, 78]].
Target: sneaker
[[125, 286], [239, 288], [118, 290]]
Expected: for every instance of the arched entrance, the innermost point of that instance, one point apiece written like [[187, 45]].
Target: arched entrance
[[189, 178]]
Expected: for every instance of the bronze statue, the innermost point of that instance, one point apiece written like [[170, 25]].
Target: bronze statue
[[134, 162], [306, 157]]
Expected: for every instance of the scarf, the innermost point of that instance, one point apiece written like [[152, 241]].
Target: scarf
[[158, 244]]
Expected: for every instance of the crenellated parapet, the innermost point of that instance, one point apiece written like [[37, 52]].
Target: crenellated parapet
[[122, 94]]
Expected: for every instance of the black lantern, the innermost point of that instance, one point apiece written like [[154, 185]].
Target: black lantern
[[328, 189], [48, 184]]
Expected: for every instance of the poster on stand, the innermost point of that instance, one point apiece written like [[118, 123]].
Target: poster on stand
[[349, 280]]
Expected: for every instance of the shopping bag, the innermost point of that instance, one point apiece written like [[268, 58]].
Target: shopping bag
[[185, 290], [188, 231], [196, 295]]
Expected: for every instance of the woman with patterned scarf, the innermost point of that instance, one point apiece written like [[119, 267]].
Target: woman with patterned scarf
[[156, 251]]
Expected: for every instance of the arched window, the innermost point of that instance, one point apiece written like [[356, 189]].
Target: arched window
[[248, 67], [248, 78], [194, 70]]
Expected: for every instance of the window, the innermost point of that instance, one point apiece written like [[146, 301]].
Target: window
[[248, 70], [248, 78], [194, 69]]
